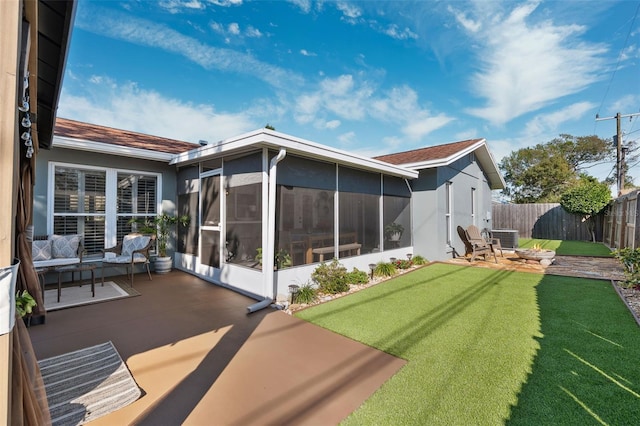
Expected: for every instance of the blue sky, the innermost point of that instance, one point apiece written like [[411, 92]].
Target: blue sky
[[371, 77]]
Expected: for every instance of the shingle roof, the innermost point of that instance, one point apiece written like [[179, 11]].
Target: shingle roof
[[430, 153], [91, 132]]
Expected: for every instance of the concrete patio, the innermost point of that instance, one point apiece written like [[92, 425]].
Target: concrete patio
[[201, 359]]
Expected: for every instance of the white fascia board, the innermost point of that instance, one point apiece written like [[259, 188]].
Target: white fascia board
[[105, 148], [276, 140]]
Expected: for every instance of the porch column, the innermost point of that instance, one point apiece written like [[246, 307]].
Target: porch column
[[10, 19]]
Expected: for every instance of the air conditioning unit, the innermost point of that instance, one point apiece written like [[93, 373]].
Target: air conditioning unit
[[508, 237]]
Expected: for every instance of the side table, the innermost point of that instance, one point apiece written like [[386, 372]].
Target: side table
[[77, 268]]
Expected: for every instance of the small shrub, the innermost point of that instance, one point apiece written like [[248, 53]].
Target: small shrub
[[630, 260], [418, 260], [357, 277], [385, 269], [331, 278], [306, 294], [403, 264]]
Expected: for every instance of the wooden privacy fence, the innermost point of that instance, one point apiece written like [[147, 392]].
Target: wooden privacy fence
[[620, 222], [543, 220]]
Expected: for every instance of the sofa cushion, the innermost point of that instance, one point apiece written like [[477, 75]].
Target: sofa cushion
[[41, 250], [124, 259], [131, 243], [64, 246], [51, 263]]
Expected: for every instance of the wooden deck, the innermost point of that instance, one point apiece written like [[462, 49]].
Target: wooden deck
[[201, 359]]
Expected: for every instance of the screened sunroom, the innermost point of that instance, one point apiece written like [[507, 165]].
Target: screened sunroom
[[323, 204]]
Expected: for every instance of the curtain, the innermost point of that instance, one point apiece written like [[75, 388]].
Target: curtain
[[27, 276], [28, 397]]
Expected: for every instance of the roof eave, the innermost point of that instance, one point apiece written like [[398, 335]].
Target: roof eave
[[105, 148], [47, 100], [271, 139], [484, 156]]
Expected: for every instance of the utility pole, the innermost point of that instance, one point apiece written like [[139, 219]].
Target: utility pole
[[620, 157]]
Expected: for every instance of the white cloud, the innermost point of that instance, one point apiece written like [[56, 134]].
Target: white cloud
[[305, 52], [527, 64], [551, 122], [466, 135], [176, 6], [392, 144], [332, 124], [348, 99], [626, 103], [217, 27], [304, 5], [394, 31], [225, 3], [467, 23], [146, 111], [144, 32], [631, 52], [350, 12], [420, 126], [347, 138], [234, 28], [253, 32]]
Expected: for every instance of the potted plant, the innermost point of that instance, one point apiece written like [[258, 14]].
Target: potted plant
[[162, 225], [24, 306], [282, 258], [393, 231]]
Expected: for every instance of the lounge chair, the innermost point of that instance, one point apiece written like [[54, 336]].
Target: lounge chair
[[495, 242], [133, 249], [479, 245], [468, 248]]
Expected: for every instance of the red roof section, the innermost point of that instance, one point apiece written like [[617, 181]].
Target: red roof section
[[430, 153], [94, 133]]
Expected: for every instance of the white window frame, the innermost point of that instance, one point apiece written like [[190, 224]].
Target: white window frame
[[111, 195]]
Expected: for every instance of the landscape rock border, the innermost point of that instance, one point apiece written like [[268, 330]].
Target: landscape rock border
[[630, 297]]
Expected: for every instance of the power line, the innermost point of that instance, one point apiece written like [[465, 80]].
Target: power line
[[619, 57], [620, 150]]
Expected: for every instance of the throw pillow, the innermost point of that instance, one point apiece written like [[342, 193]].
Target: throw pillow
[[131, 243], [65, 246], [41, 250]]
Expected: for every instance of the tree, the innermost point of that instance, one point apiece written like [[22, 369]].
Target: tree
[[544, 172], [588, 198]]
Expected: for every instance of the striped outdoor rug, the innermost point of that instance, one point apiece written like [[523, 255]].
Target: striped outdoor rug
[[86, 384]]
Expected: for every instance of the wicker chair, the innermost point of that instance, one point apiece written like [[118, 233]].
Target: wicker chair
[[134, 249]]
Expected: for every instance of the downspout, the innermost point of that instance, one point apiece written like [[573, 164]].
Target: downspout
[[268, 252]]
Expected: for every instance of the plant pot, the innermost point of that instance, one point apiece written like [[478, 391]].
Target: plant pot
[[395, 236], [163, 264], [8, 277]]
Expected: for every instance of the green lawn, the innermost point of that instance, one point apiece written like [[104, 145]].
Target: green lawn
[[488, 347], [563, 247]]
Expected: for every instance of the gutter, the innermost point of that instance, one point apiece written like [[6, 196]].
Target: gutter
[[268, 254]]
